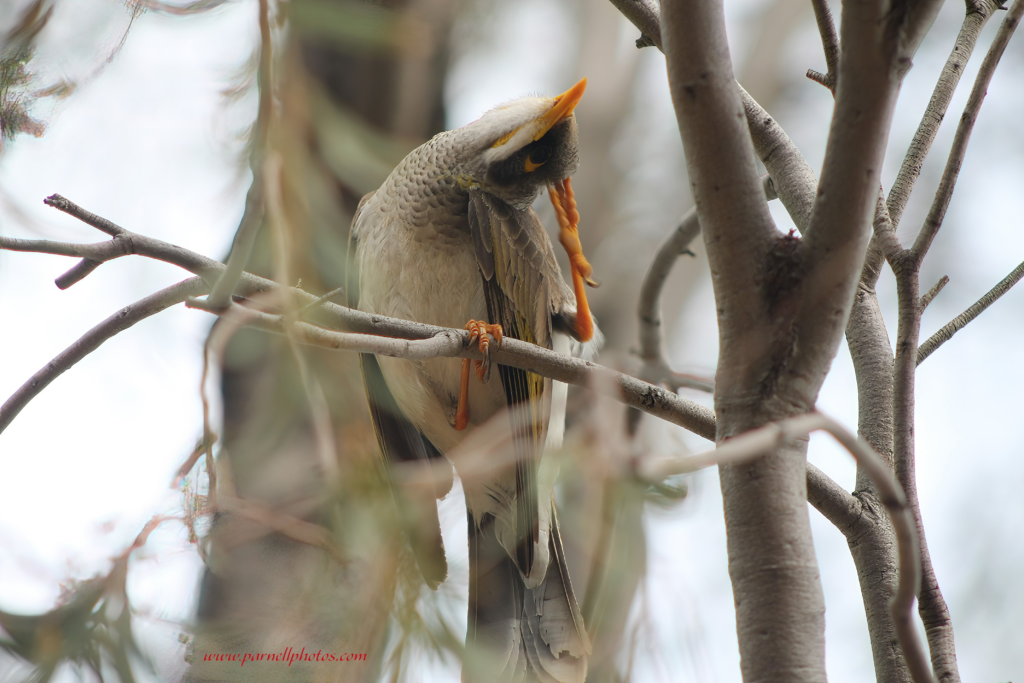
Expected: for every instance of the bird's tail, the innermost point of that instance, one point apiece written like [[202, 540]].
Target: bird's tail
[[519, 634]]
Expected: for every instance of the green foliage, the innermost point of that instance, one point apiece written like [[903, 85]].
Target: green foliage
[[15, 54]]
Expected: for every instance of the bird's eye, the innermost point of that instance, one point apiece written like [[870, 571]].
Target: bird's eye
[[537, 158]]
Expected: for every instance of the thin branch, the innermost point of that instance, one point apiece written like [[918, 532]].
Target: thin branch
[[793, 177], [830, 43], [72, 209], [937, 213], [644, 14], [241, 247], [446, 342], [930, 295], [656, 368], [765, 439], [252, 218], [91, 340], [958, 323], [920, 145], [834, 502]]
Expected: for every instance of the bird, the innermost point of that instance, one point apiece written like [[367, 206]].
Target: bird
[[450, 239]]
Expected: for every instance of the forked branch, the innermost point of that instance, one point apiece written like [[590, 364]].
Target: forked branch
[[768, 438], [958, 323]]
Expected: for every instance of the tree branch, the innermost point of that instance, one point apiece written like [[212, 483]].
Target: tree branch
[[643, 14], [451, 343], [738, 230], [830, 43], [72, 209], [792, 177], [958, 323], [920, 145], [634, 392], [766, 439], [937, 213], [930, 295], [91, 340], [656, 369]]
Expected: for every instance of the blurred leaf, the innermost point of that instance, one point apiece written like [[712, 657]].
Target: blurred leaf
[[359, 155], [15, 53], [90, 625], [359, 26]]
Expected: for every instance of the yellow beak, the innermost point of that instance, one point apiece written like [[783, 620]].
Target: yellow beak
[[560, 110], [564, 104]]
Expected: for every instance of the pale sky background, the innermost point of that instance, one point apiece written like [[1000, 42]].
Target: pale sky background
[[151, 144]]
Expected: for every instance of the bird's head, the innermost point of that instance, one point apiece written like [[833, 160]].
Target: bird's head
[[516, 149]]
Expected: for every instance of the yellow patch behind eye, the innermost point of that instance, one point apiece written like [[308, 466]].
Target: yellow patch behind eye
[[531, 167], [504, 138]]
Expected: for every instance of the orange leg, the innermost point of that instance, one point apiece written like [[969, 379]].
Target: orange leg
[[564, 201], [478, 332]]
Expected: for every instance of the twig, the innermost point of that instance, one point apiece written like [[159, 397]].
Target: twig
[[975, 20], [932, 293], [452, 343], [635, 392], [241, 247], [830, 43], [252, 218], [644, 14], [72, 209], [768, 438], [321, 299], [958, 323], [91, 340], [932, 608], [937, 213], [656, 369]]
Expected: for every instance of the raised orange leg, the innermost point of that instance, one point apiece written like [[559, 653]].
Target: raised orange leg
[[564, 201], [478, 331]]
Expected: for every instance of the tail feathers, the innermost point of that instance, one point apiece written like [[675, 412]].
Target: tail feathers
[[517, 634]]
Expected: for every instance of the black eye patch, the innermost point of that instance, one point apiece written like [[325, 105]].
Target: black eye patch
[[539, 154]]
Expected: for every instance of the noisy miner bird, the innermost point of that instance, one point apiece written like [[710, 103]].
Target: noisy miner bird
[[450, 239]]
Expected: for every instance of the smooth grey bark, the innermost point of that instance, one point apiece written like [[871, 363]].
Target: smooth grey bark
[[783, 304], [776, 586]]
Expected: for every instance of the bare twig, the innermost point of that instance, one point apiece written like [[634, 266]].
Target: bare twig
[[767, 438], [656, 369], [937, 213], [932, 293], [452, 343], [830, 43], [90, 341], [933, 609], [834, 502], [958, 323], [635, 392], [644, 14], [975, 20], [72, 209]]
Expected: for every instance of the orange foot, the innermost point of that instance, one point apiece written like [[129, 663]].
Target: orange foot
[[564, 201], [478, 331]]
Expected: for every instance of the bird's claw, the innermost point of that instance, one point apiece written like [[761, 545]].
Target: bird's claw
[[478, 332], [564, 202]]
